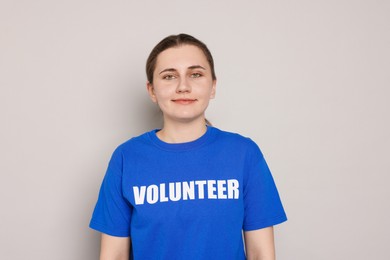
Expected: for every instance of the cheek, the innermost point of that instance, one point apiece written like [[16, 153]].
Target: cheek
[[162, 93], [205, 88]]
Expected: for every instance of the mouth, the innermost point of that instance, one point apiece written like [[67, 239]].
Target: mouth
[[184, 101]]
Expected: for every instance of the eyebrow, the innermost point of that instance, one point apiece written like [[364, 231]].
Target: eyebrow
[[190, 67], [196, 67]]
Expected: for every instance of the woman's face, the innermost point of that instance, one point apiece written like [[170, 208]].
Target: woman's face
[[182, 84]]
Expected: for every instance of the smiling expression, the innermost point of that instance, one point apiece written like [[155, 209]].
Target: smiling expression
[[182, 84]]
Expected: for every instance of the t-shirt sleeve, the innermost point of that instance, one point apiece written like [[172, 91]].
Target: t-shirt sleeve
[[262, 204], [112, 211]]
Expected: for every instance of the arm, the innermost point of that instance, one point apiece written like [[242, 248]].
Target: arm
[[259, 244], [114, 248]]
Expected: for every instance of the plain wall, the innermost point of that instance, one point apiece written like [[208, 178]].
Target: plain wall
[[307, 80]]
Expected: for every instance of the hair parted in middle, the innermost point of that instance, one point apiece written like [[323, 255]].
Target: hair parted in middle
[[175, 41]]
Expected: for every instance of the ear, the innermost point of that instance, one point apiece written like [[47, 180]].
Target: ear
[[213, 89], [150, 89]]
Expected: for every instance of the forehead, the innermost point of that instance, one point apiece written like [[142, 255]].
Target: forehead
[[181, 56]]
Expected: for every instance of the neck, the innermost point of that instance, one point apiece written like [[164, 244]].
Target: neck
[[182, 132]]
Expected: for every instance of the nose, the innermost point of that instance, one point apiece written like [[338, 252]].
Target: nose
[[183, 86]]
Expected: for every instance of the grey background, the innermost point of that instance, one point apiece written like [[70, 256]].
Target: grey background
[[307, 80]]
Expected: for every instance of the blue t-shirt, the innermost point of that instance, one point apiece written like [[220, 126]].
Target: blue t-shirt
[[188, 200]]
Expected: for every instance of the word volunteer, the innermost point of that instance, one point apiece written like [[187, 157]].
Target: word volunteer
[[216, 189]]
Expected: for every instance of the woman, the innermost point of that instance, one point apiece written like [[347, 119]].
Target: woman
[[187, 190]]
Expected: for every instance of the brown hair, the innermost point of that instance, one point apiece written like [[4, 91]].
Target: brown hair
[[175, 41]]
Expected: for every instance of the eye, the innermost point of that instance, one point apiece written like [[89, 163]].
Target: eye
[[169, 77], [196, 75]]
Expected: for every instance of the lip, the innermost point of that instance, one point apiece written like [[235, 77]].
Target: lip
[[184, 101]]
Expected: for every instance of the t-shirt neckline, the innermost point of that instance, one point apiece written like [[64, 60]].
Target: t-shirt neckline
[[205, 138]]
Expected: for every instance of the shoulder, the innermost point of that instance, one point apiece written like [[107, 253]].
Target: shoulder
[[132, 145], [238, 142], [136, 141], [235, 138]]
